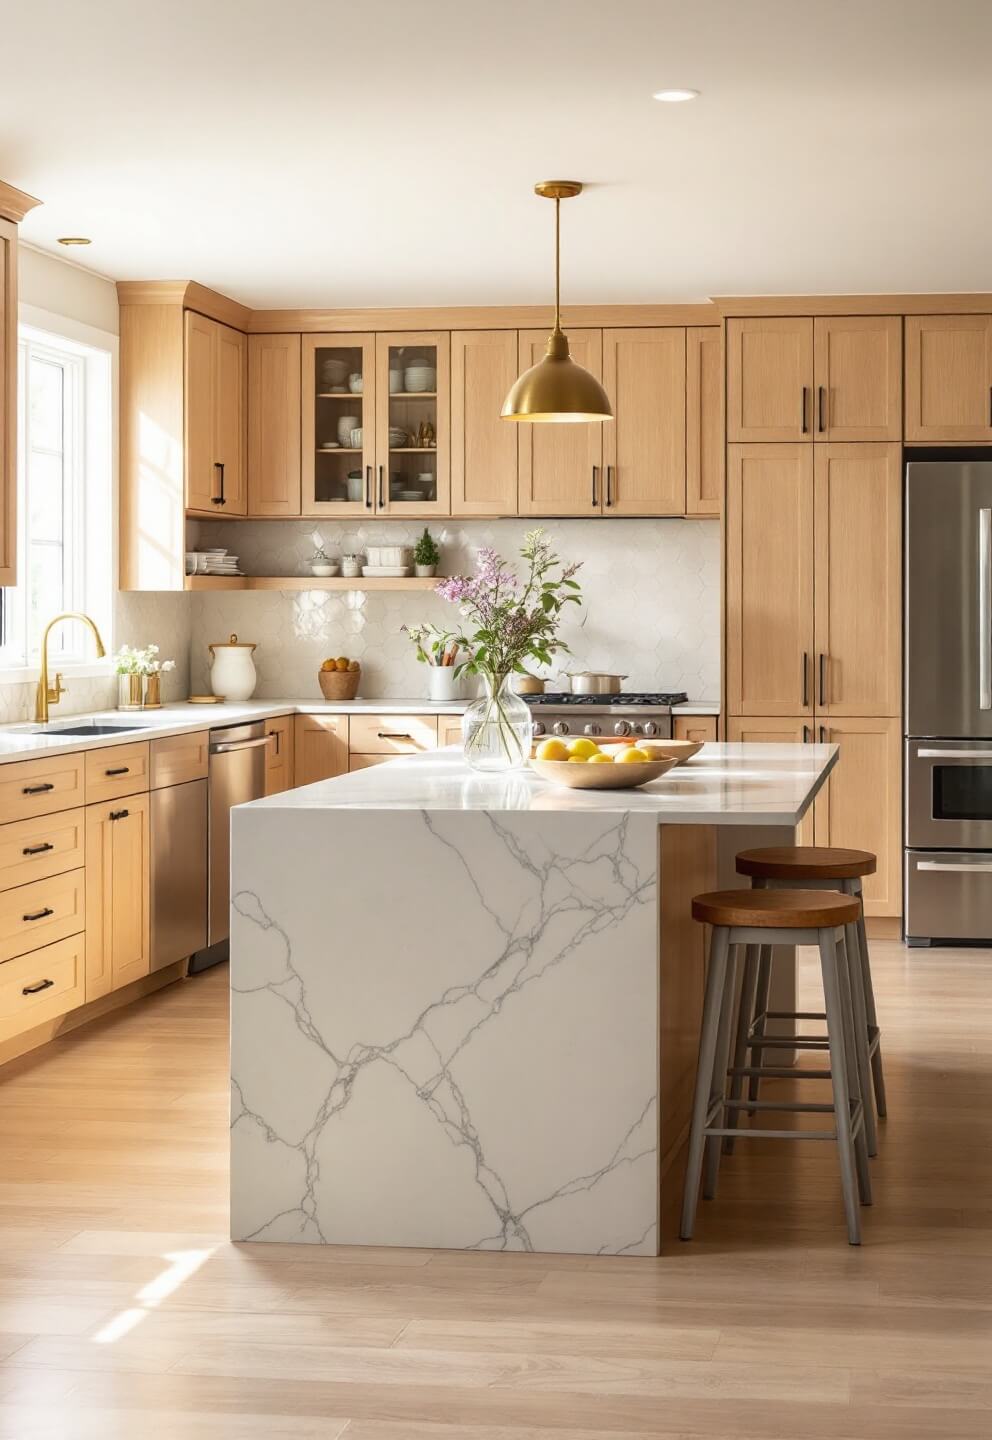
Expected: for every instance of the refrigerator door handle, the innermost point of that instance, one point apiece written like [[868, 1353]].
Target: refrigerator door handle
[[961, 867], [985, 609]]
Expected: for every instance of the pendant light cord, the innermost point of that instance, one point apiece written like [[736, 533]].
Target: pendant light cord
[[557, 329]]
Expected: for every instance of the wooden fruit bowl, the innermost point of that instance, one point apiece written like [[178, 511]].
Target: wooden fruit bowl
[[620, 775], [339, 684], [679, 750]]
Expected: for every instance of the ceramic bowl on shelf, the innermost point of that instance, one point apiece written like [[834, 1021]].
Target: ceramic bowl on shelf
[[333, 371], [347, 423], [325, 570], [618, 775], [420, 377], [356, 384]]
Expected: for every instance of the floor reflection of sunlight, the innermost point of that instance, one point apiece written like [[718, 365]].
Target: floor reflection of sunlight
[[184, 1264]]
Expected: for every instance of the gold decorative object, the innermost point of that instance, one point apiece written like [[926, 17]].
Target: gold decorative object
[[556, 389], [153, 691]]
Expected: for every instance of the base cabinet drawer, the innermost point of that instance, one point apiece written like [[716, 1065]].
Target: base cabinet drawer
[[393, 734], [117, 770], [365, 762], [449, 730], [39, 787], [49, 845], [694, 727], [41, 986], [178, 759], [42, 912]]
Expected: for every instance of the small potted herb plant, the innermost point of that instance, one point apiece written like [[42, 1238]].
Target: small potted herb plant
[[426, 555]]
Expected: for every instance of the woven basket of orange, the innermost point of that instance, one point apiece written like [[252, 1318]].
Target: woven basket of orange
[[339, 679]]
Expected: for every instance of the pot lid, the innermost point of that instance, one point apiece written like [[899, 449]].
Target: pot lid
[[233, 643]]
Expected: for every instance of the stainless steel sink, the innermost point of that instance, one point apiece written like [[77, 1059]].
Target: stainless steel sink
[[86, 730]]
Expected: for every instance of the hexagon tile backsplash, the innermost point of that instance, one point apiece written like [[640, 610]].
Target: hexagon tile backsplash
[[651, 603]]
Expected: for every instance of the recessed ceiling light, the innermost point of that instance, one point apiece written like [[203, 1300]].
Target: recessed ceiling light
[[74, 240], [675, 96]]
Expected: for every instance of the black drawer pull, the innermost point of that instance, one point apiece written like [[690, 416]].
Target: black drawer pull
[[37, 849], [40, 914], [119, 814], [41, 985], [38, 789], [119, 770]]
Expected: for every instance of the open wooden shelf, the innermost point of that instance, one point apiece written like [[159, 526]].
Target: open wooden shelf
[[312, 582]]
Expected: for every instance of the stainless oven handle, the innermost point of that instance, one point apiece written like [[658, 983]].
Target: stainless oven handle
[[985, 609], [979, 867], [225, 749], [956, 754]]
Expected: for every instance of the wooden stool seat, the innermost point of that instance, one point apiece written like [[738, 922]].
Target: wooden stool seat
[[778, 909], [805, 862]]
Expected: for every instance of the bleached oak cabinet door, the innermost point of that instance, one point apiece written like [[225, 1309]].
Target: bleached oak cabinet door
[[320, 749], [561, 466], [409, 468], [338, 477], [118, 894], [200, 390], [857, 364], [857, 585], [700, 728], [230, 418], [770, 379], [949, 378], [705, 451], [776, 730], [8, 402], [644, 443], [273, 425], [769, 572], [861, 804], [483, 447], [279, 762]]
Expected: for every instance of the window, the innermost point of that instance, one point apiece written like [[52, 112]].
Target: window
[[64, 495]]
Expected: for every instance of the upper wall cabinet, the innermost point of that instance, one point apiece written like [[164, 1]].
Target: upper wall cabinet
[[483, 447], [644, 446], [704, 421], [835, 378], [216, 386], [949, 378], [561, 466], [274, 424], [338, 431], [14, 205]]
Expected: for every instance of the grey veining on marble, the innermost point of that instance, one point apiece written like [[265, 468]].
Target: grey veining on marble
[[445, 1029]]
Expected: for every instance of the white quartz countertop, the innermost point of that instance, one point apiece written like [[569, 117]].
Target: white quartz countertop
[[738, 784]]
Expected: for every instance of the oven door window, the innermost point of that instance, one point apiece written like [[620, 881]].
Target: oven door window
[[962, 792]]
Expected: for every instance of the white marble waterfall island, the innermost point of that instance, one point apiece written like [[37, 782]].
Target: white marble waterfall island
[[464, 1010]]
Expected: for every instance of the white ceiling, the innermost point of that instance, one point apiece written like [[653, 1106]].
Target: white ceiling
[[292, 152]]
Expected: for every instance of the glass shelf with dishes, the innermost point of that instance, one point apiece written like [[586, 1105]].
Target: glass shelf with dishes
[[338, 424], [412, 387]]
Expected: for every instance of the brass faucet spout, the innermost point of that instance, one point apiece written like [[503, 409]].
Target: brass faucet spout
[[48, 695]]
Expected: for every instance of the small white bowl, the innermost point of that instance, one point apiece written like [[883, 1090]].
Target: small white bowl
[[324, 570]]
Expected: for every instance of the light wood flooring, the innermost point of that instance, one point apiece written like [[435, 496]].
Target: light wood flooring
[[125, 1312]]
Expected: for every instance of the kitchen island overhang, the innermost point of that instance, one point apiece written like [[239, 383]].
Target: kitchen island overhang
[[464, 1009]]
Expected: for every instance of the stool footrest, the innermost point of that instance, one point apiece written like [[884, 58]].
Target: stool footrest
[[778, 1072], [750, 1134], [793, 1015], [788, 1042]]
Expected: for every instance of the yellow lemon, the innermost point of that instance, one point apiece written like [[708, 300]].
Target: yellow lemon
[[578, 759], [631, 753], [600, 759], [552, 750], [583, 748]]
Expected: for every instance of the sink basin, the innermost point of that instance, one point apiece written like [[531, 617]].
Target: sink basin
[[86, 730]]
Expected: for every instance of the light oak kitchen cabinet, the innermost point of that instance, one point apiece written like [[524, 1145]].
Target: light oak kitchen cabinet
[[644, 444], [701, 728], [776, 730], [483, 447], [118, 893], [274, 425], [14, 205], [279, 768], [705, 450], [861, 804], [405, 467], [216, 391], [804, 379], [320, 747], [561, 466], [949, 379]]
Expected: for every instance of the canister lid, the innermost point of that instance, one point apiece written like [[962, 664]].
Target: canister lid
[[233, 643]]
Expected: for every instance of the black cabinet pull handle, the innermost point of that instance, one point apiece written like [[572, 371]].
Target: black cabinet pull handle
[[823, 733], [118, 770], [41, 985], [37, 789], [595, 479], [382, 497], [219, 499], [821, 403], [40, 915], [37, 849], [805, 678], [609, 486], [823, 678], [805, 734], [368, 487], [274, 735], [803, 403], [118, 814]]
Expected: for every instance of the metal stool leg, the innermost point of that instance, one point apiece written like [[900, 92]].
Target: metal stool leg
[[721, 1060], [874, 1044], [745, 1017], [760, 1007], [829, 965], [856, 985], [855, 1092], [712, 1006]]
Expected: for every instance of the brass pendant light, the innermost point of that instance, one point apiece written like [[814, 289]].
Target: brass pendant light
[[556, 389]]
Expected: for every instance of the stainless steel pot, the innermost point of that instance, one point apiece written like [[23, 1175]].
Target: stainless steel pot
[[594, 682]]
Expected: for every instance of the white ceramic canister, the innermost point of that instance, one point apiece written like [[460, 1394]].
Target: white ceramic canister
[[232, 673]]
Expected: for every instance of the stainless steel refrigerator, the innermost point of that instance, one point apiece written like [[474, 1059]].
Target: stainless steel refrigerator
[[948, 701]]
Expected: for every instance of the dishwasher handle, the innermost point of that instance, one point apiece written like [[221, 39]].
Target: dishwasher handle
[[225, 749]]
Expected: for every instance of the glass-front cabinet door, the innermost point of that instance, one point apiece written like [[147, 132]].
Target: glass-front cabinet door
[[339, 411], [412, 474]]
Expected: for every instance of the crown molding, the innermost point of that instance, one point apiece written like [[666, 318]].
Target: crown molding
[[15, 204], [190, 295], [941, 303]]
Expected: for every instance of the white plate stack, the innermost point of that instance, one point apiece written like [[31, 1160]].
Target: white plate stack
[[218, 562]]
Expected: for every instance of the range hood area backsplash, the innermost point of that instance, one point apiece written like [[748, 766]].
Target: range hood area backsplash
[[651, 602]]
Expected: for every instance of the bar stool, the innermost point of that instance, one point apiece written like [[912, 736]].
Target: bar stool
[[809, 867], [751, 918]]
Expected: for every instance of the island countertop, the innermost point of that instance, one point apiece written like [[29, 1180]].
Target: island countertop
[[725, 784]]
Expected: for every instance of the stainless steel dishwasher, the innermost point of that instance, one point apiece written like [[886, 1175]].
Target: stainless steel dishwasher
[[236, 775]]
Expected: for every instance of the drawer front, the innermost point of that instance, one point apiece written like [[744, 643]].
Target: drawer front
[[449, 730], [363, 762], [177, 759], [117, 770], [48, 845], [279, 754], [393, 734], [42, 912], [40, 787], [41, 986]]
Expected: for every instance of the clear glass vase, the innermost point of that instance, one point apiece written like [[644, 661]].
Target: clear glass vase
[[497, 729]]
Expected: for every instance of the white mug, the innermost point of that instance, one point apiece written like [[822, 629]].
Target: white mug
[[355, 384]]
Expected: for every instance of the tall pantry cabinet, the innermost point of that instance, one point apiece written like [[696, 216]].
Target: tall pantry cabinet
[[813, 564]]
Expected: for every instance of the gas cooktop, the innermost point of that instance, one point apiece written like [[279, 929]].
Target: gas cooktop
[[634, 698], [628, 713]]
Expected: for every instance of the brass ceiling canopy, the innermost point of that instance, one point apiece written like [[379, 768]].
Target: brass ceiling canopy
[[556, 389]]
